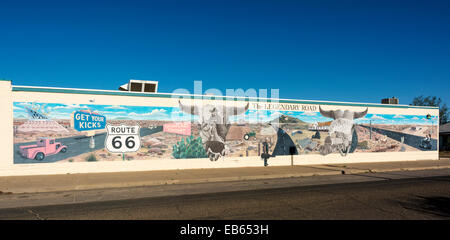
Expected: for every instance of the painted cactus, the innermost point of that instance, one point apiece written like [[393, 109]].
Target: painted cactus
[[190, 147]]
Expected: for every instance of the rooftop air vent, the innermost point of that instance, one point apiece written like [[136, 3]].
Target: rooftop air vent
[[392, 100], [144, 86]]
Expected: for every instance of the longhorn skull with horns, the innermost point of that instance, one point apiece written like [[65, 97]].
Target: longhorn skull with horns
[[343, 129], [213, 125]]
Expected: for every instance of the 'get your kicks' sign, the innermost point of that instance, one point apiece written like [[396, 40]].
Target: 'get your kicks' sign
[[86, 121]]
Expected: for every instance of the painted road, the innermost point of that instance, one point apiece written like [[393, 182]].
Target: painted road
[[75, 146], [411, 140]]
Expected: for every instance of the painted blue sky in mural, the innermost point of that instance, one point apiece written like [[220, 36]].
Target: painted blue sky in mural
[[111, 112], [398, 119], [120, 112], [312, 117]]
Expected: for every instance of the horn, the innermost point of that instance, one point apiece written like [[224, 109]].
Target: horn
[[360, 114], [329, 114], [189, 109]]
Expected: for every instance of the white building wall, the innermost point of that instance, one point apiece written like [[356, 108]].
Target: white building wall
[[8, 168]]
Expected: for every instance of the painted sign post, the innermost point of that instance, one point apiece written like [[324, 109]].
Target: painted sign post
[[87, 121], [122, 139]]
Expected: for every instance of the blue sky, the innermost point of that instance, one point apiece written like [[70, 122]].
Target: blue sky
[[354, 51]]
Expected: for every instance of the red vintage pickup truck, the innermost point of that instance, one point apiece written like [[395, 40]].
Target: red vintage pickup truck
[[44, 147]]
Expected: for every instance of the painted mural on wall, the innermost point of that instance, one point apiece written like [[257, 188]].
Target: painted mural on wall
[[50, 132]]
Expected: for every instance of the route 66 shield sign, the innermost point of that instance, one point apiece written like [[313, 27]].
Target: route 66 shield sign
[[122, 139]]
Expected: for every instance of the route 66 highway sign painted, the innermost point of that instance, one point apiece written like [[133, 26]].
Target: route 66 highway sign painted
[[122, 139]]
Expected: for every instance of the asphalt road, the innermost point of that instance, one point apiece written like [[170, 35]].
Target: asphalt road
[[383, 198], [75, 146]]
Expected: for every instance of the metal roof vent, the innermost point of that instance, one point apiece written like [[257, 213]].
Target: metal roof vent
[[144, 86], [392, 100]]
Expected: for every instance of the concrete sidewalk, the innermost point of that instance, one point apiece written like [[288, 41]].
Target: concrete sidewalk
[[86, 181]]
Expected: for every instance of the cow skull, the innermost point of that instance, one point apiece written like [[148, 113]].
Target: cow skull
[[342, 128], [213, 125]]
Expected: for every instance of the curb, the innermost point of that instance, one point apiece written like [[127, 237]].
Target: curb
[[329, 171]]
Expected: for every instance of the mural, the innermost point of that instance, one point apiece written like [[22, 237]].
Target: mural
[[51, 132]]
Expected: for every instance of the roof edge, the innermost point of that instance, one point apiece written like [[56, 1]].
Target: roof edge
[[196, 96]]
